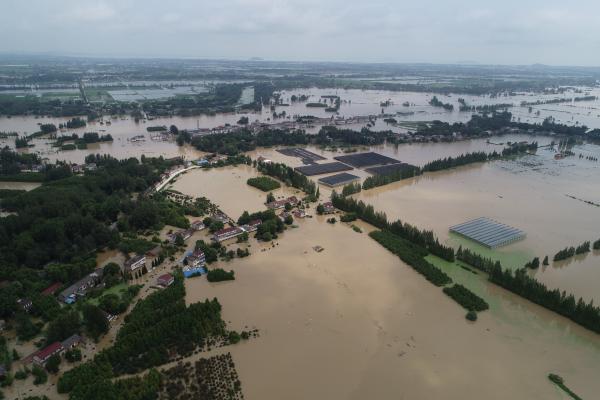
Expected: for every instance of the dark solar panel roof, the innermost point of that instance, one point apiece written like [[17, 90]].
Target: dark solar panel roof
[[318, 169], [488, 232], [389, 169], [361, 160], [338, 179], [307, 156]]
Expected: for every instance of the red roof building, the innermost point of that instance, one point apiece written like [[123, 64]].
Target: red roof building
[[165, 280], [42, 356], [51, 289]]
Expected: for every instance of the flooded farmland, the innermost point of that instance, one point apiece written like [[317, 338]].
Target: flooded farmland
[[354, 322]]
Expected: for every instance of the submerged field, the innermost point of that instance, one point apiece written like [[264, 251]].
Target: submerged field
[[354, 322]]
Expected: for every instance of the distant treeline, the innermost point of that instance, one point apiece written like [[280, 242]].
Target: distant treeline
[[557, 101], [435, 102], [446, 163]]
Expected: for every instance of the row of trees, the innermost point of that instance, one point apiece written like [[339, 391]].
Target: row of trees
[[157, 329], [569, 252], [425, 239]]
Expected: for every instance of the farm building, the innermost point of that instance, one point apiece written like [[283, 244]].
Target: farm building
[[341, 179]]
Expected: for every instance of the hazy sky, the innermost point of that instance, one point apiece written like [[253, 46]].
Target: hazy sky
[[439, 31]]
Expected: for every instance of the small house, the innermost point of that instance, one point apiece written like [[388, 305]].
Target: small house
[[165, 280], [41, 357]]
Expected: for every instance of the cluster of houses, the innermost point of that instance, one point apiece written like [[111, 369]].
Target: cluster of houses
[[234, 231], [193, 263], [81, 287], [42, 356], [186, 233], [81, 168], [277, 204]]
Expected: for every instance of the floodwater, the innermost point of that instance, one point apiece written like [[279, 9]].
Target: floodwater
[[19, 185], [530, 193], [354, 322], [354, 103], [227, 188]]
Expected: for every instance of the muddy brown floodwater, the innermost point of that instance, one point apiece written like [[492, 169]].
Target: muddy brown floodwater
[[354, 322]]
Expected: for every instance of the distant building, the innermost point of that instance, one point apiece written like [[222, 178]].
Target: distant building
[[41, 357], [165, 280], [251, 226], [80, 288], [274, 205], [299, 214], [184, 233], [134, 263], [227, 233], [328, 208], [51, 289], [71, 342], [197, 225], [196, 259], [24, 304]]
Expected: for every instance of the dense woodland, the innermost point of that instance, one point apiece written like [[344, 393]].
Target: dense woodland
[[159, 328], [59, 226]]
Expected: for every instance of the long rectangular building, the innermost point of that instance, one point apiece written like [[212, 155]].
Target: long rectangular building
[[488, 232], [343, 178], [318, 169]]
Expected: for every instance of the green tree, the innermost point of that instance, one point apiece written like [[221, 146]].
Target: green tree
[[95, 320], [53, 364]]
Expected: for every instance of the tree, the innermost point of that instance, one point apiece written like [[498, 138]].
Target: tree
[[64, 326], [95, 320], [270, 197], [40, 375], [173, 129], [320, 209], [545, 261], [53, 364], [288, 206], [288, 220], [215, 226], [73, 355]]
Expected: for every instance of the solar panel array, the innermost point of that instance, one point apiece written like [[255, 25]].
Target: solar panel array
[[488, 232], [369, 159], [317, 169], [338, 179], [390, 169]]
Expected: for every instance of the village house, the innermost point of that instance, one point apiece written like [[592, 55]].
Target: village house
[[71, 342], [197, 225], [196, 260], [80, 288], [109, 317], [24, 304], [134, 263], [277, 204], [328, 208], [165, 280], [185, 235], [41, 357], [51, 289], [283, 215], [299, 214], [227, 233], [251, 226]]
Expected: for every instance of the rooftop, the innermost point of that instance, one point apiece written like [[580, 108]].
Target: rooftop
[[488, 232], [338, 179]]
